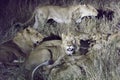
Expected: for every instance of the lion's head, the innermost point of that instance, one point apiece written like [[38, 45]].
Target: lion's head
[[69, 43], [84, 10], [26, 39], [88, 10]]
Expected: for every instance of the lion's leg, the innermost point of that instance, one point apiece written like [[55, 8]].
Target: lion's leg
[[79, 20], [36, 24], [58, 62], [47, 67], [40, 21], [43, 60]]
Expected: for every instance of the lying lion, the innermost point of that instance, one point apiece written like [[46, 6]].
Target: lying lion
[[51, 51], [20, 46], [60, 14], [27, 38]]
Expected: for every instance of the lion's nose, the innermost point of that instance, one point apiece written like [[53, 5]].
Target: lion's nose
[[36, 44]]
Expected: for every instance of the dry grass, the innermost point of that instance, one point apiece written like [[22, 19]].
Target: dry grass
[[102, 60]]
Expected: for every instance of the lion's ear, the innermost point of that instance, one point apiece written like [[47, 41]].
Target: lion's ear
[[76, 12], [63, 36], [27, 30]]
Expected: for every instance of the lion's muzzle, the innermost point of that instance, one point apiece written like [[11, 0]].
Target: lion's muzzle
[[70, 50]]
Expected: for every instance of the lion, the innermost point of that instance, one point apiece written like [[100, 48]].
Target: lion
[[60, 14], [10, 53], [27, 39], [20, 46], [48, 52]]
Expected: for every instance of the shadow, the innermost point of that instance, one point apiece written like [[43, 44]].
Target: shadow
[[52, 22], [107, 14], [84, 46], [52, 37]]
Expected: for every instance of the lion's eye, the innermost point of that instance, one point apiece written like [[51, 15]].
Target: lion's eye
[[36, 34], [37, 42]]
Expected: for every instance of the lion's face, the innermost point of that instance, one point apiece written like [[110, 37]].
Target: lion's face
[[88, 10], [83, 11], [27, 38], [32, 35], [69, 43]]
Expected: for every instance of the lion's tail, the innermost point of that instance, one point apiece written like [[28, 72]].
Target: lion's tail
[[40, 65], [26, 24]]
